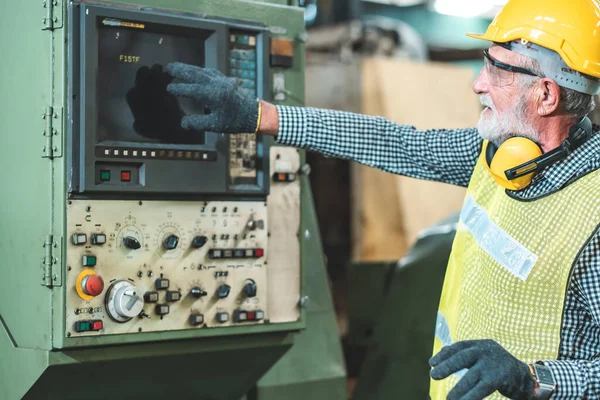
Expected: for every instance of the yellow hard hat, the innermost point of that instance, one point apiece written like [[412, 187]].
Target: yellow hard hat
[[569, 27]]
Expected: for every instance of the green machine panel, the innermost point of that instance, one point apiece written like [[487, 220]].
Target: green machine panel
[[141, 261]]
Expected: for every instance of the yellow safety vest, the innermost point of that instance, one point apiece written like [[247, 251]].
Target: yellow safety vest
[[510, 267]]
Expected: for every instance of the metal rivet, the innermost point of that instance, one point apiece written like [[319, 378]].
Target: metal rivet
[[304, 301]]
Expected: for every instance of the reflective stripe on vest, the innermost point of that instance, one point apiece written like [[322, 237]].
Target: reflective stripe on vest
[[509, 268]]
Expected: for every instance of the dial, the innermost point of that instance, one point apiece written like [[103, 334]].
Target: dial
[[123, 301], [170, 240], [130, 238]]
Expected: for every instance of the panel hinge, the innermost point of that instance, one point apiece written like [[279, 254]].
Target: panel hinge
[[53, 18], [52, 132], [52, 261]]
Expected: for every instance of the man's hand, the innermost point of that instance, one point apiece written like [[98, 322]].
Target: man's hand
[[490, 367], [230, 108]]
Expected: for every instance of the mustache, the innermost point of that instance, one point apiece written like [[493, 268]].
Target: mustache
[[485, 100]]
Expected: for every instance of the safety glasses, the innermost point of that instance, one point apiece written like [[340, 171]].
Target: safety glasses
[[502, 74]]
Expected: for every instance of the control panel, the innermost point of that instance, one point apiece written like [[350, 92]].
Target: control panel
[[143, 266]]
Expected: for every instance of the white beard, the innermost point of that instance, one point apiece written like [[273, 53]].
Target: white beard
[[498, 127]]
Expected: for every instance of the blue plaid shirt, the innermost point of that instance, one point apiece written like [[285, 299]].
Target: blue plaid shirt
[[450, 155]]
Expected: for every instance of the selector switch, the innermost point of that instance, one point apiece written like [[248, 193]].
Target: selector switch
[[131, 243], [151, 297], [173, 295], [171, 242], [250, 289], [161, 284], [98, 238], [196, 319], [223, 291], [199, 241], [162, 309], [79, 238], [197, 292]]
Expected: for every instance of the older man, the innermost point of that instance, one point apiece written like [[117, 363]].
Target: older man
[[520, 309]]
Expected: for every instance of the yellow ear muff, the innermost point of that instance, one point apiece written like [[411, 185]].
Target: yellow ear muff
[[513, 152]]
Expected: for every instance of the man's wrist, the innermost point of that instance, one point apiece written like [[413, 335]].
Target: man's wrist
[[544, 384], [269, 119]]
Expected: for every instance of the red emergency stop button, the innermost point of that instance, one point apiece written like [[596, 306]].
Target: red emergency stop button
[[92, 285], [96, 325]]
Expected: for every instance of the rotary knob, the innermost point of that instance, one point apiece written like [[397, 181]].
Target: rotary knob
[[199, 241], [171, 242], [92, 285], [123, 301], [131, 243], [250, 289], [223, 291]]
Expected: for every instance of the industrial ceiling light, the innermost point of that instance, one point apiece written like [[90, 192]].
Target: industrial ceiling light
[[469, 8]]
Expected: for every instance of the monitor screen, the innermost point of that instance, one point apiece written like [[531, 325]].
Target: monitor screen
[[132, 102]]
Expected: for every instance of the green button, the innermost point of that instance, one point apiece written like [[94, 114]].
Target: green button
[[82, 326], [89, 261], [105, 175], [243, 39]]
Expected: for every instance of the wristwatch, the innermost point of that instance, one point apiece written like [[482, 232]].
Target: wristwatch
[[544, 381]]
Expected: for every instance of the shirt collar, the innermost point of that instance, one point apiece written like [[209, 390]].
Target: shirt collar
[[551, 179]]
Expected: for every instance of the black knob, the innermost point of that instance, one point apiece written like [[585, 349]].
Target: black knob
[[197, 292], [250, 289], [223, 291], [171, 242], [199, 241], [131, 243]]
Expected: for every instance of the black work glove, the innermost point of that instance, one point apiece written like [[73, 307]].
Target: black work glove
[[490, 367], [231, 109], [156, 113]]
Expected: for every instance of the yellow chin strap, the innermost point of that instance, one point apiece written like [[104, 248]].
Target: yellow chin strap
[[513, 152]]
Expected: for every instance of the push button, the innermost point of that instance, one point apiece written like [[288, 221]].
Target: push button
[[98, 238], [151, 297], [173, 295], [88, 261], [79, 239], [87, 326], [162, 309], [105, 175], [196, 319], [125, 176], [222, 317], [161, 283]]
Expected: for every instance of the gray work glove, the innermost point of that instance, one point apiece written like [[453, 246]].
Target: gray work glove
[[230, 108], [490, 367]]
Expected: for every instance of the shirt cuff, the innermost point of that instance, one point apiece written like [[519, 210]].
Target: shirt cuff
[[292, 126], [570, 384]]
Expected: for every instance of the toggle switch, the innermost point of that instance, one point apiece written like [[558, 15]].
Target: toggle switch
[[197, 292]]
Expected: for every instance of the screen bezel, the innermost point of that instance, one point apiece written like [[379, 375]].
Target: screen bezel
[[193, 177]]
